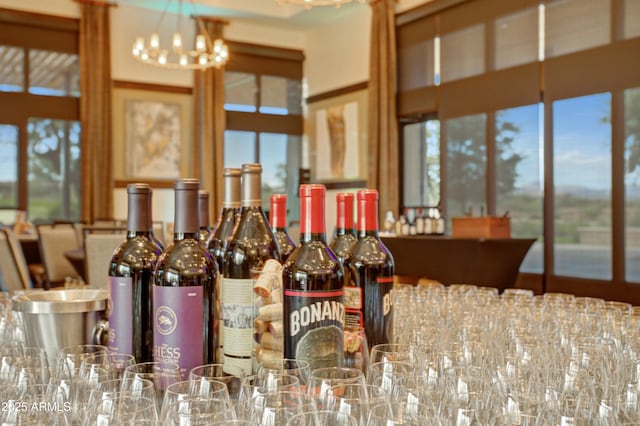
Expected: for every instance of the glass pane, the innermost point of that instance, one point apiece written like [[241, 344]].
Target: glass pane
[[8, 165], [520, 178], [416, 65], [54, 73], [280, 96], [240, 92], [462, 53], [11, 69], [516, 39], [631, 18], [632, 182], [573, 25], [239, 148], [421, 164], [53, 169], [466, 165], [275, 168], [582, 186]]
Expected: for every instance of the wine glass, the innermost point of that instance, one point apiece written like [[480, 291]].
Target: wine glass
[[275, 408], [260, 385], [322, 418], [161, 374], [322, 379], [230, 375], [194, 411], [179, 391], [298, 368], [121, 411]]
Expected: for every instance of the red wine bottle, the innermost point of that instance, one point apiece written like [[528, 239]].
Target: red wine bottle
[[371, 271], [229, 215], [313, 282], [204, 230], [131, 280], [345, 231], [183, 294], [250, 246], [278, 217]]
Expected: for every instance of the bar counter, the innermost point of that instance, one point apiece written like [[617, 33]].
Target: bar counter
[[479, 261]]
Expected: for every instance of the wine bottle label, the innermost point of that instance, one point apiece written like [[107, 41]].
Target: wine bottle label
[[353, 306], [178, 325], [314, 327], [379, 312], [121, 316], [238, 314]]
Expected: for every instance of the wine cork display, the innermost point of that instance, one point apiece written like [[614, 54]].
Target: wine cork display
[[268, 329]]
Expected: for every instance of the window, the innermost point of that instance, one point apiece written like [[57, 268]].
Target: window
[[539, 104], [632, 183], [39, 113], [520, 177], [263, 100], [466, 165], [421, 173]]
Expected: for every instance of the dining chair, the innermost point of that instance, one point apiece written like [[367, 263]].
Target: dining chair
[[13, 266], [54, 240], [98, 250]]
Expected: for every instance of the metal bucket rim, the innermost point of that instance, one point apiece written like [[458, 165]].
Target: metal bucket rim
[[60, 301]]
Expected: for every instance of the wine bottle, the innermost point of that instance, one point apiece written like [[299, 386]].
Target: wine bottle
[[278, 219], [250, 246], [204, 229], [131, 278], [371, 270], [183, 291], [345, 231], [313, 282], [229, 215], [152, 235]]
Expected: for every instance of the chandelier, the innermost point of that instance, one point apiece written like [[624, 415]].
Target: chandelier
[[205, 53], [310, 3]]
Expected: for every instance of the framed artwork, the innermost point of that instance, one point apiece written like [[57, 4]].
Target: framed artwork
[[337, 129], [152, 132]]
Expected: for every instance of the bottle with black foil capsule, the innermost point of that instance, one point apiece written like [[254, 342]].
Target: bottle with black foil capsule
[[131, 279], [313, 282], [368, 299], [345, 231], [204, 229], [278, 219], [229, 215], [183, 291], [250, 246]]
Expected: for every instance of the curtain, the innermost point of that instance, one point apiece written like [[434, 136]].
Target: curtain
[[95, 111], [383, 127], [208, 95]]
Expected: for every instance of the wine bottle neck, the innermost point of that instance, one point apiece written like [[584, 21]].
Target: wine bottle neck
[[313, 236], [344, 231], [278, 213], [179, 236], [367, 233], [186, 212], [367, 216], [138, 217]]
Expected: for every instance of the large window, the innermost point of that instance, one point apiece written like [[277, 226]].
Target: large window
[[39, 113], [539, 103], [263, 100]]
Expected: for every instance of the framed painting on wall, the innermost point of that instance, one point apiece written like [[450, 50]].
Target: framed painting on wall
[[152, 132], [337, 129]]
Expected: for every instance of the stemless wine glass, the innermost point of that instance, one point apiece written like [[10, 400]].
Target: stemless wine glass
[[298, 368], [179, 391], [115, 363], [322, 379], [230, 375], [69, 359], [260, 385], [322, 418], [193, 411], [275, 408], [121, 411], [161, 374]]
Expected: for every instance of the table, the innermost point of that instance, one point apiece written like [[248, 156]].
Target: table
[[479, 261]]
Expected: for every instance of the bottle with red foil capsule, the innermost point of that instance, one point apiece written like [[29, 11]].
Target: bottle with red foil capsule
[[368, 298], [183, 291], [313, 283], [345, 231], [278, 219]]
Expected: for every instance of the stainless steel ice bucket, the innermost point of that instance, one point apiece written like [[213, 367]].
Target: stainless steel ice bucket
[[59, 318]]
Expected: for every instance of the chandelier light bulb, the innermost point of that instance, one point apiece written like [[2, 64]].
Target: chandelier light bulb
[[139, 44], [201, 43], [177, 42], [144, 56], [183, 60], [162, 57], [202, 59], [154, 41]]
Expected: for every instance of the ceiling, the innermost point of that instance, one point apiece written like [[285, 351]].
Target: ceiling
[[263, 12]]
